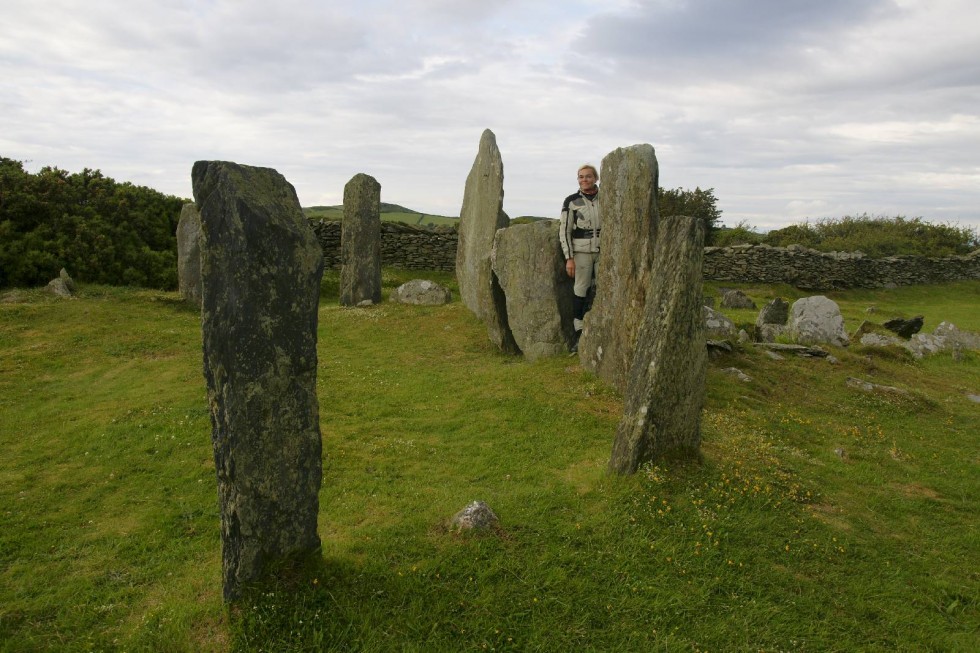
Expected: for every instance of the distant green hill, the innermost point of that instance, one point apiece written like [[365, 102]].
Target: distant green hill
[[389, 213]]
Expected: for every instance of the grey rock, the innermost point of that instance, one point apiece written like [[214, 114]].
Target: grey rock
[[709, 302], [799, 350], [771, 332], [360, 242], [774, 356], [189, 254], [62, 286], [717, 325], [738, 374], [422, 292], [974, 398], [775, 312], [665, 393], [628, 206], [905, 328], [475, 516], [480, 217], [867, 386], [879, 340], [945, 337], [261, 268], [736, 299], [530, 267], [816, 320], [743, 337]]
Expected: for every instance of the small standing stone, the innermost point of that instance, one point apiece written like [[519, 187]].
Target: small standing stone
[[189, 254], [476, 516], [360, 242], [736, 299]]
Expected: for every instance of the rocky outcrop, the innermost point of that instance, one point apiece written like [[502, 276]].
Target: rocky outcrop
[[628, 205], [261, 268], [480, 217], [189, 254], [665, 392], [360, 242], [815, 320], [530, 267], [421, 292]]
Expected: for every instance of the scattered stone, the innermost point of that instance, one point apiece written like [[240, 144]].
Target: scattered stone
[[817, 319], [476, 516], [871, 309], [628, 205], [716, 325], [360, 242], [879, 340], [833, 360], [189, 254], [945, 337], [775, 312], [974, 398], [719, 346], [709, 302], [261, 267], [736, 299], [841, 453], [799, 350], [422, 292], [743, 337], [10, 297], [480, 217], [905, 328], [530, 267], [62, 286], [867, 327], [665, 392], [773, 355], [867, 386], [737, 373]]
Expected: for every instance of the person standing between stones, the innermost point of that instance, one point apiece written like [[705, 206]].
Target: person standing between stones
[[578, 233]]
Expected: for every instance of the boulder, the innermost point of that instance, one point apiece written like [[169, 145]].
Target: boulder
[[665, 392], [905, 328], [816, 320], [189, 254], [736, 299], [63, 285], [945, 337], [775, 312], [529, 264], [261, 268], [477, 516], [480, 217], [717, 326], [360, 242], [422, 292], [628, 206]]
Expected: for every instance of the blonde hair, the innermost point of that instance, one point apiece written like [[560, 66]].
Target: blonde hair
[[588, 166]]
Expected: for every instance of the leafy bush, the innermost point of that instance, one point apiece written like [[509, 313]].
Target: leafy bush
[[697, 203], [878, 236], [100, 230], [740, 234]]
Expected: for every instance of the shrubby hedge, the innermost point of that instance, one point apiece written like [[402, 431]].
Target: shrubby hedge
[[101, 231]]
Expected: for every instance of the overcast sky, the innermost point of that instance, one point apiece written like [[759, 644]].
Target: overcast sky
[[789, 109]]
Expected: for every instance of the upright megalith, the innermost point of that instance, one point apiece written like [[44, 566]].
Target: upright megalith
[[530, 267], [360, 242], [480, 217], [261, 268], [628, 205], [665, 391], [189, 253]]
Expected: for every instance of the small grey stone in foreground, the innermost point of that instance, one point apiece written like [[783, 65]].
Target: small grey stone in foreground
[[475, 516], [422, 292]]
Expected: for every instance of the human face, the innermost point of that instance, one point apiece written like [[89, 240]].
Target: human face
[[586, 180]]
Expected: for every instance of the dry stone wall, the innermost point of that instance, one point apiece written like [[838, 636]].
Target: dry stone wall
[[414, 248]]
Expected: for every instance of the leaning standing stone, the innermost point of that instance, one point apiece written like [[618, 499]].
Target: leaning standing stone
[[665, 392], [360, 242], [530, 266], [628, 205], [480, 217], [261, 267], [189, 254]]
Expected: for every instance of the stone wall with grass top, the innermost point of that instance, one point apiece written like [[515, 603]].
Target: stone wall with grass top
[[416, 248]]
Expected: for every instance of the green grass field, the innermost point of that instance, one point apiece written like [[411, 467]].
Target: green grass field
[[820, 518]]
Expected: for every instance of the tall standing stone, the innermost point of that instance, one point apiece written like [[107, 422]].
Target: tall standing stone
[[480, 217], [665, 392], [360, 242], [628, 205], [189, 254], [261, 268], [530, 266]]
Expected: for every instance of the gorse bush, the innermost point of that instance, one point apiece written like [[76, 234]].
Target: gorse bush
[[100, 230], [876, 236]]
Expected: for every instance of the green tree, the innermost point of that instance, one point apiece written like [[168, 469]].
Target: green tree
[[697, 203]]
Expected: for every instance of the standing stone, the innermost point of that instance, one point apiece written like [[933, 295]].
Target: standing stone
[[628, 205], [815, 320], [261, 267], [530, 266], [480, 217], [189, 254], [63, 285], [665, 392], [736, 299], [775, 312], [360, 242]]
